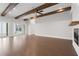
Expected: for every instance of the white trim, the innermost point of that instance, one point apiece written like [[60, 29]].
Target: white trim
[[53, 36], [74, 44], [76, 48]]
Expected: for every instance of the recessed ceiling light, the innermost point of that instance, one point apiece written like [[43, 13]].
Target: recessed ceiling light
[[9, 12], [60, 10], [13, 8]]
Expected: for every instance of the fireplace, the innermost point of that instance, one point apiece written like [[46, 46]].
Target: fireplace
[[76, 36]]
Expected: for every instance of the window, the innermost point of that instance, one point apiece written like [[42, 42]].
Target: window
[[3, 29], [19, 29]]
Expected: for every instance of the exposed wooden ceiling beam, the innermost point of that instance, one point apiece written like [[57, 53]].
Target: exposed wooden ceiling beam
[[56, 11], [8, 8], [74, 23], [46, 5]]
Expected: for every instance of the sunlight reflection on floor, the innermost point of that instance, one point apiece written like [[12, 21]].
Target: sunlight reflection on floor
[[4, 46], [14, 43]]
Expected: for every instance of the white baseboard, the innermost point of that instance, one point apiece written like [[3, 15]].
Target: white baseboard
[[53, 36]]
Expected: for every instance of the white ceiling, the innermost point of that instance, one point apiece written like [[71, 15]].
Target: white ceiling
[[24, 7], [3, 6], [52, 8], [58, 6]]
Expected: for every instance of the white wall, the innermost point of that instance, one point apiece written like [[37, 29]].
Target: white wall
[[75, 17], [31, 29], [75, 12], [56, 25]]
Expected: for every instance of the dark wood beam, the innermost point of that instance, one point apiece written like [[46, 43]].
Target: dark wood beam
[[74, 23], [26, 19], [56, 11], [46, 5], [8, 8]]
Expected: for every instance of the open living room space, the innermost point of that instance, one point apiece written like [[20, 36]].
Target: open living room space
[[39, 29]]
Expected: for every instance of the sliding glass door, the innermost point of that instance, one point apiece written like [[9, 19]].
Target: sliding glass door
[[3, 29], [4, 40]]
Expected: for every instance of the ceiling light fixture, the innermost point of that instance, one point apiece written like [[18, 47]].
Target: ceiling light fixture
[[9, 13], [60, 10], [13, 8]]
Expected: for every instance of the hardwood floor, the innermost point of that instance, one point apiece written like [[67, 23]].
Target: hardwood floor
[[44, 46]]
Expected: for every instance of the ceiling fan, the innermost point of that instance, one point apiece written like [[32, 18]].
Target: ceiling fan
[[39, 11]]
